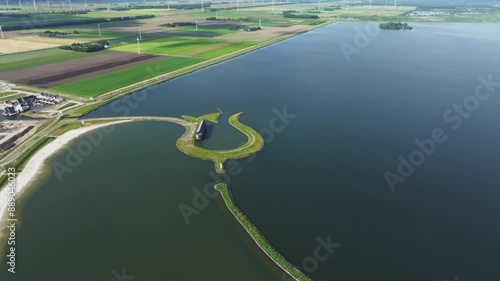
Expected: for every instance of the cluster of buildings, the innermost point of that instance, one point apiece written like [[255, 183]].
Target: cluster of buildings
[[49, 98], [23, 104]]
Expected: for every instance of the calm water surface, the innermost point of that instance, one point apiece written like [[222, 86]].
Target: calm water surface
[[319, 176]]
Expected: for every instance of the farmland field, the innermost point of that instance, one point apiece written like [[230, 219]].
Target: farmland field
[[151, 44], [35, 58], [225, 50], [98, 85], [68, 71], [164, 49]]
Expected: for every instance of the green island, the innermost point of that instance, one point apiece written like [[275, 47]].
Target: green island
[[395, 26], [186, 143], [259, 239]]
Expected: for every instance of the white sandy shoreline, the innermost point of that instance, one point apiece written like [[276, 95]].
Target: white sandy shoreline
[[36, 162]]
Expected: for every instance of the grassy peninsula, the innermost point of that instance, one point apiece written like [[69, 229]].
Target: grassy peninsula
[[186, 143], [257, 236]]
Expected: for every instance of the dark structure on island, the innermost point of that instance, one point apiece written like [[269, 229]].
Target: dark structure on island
[[202, 128]]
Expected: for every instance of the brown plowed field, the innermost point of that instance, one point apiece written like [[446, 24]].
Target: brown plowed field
[[54, 74]]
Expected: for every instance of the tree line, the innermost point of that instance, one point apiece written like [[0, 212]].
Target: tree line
[[42, 24]]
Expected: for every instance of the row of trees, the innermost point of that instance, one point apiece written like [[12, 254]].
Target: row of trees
[[176, 24], [33, 24], [162, 6], [21, 15], [87, 47], [291, 14]]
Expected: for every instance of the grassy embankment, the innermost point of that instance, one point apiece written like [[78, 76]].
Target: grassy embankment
[[212, 117], [76, 124], [19, 163], [255, 143], [257, 236]]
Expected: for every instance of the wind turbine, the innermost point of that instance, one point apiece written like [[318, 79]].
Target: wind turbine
[[196, 25], [20, 5], [34, 4], [202, 6], [70, 5], [99, 27], [48, 4], [1, 32], [237, 5], [395, 3], [63, 5], [138, 46], [140, 34], [168, 5], [370, 4], [7, 3], [319, 5], [348, 5], [385, 4]]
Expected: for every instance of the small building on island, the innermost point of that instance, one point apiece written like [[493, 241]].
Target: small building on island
[[202, 128]]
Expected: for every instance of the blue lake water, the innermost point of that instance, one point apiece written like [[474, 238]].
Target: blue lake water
[[333, 127]]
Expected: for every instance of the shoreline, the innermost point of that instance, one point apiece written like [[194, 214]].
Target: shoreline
[[36, 163]]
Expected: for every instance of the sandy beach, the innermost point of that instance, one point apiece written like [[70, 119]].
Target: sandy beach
[[35, 164]]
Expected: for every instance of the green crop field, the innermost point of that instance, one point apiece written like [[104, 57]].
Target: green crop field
[[208, 29], [92, 87], [171, 45], [35, 58], [190, 45], [149, 44], [225, 50]]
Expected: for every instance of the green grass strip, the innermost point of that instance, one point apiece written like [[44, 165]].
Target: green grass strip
[[226, 50], [94, 86], [212, 117], [257, 236]]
